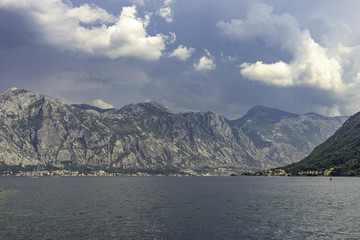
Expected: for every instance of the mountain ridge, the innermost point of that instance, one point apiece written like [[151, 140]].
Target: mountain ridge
[[284, 135], [44, 131], [338, 155]]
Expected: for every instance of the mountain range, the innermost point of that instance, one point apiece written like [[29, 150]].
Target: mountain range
[[337, 156], [42, 131]]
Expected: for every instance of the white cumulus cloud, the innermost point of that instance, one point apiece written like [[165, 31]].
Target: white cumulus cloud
[[311, 65], [205, 64], [182, 53], [89, 14], [277, 73], [166, 11], [101, 104], [90, 29]]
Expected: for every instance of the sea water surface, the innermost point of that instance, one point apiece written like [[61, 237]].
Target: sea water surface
[[180, 208]]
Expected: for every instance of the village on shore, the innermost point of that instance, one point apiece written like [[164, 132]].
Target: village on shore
[[282, 173], [63, 173], [187, 172]]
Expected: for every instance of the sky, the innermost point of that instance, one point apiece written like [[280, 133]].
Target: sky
[[223, 56]]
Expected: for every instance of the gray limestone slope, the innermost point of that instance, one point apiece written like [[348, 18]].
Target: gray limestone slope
[[41, 130], [286, 137]]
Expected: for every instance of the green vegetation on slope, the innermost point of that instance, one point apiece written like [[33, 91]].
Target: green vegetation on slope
[[340, 153]]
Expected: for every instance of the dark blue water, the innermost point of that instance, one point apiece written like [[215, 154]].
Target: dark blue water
[[179, 208]]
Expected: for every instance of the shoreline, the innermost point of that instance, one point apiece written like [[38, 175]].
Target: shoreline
[[183, 172]]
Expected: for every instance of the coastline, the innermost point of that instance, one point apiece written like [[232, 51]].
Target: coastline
[[102, 173]]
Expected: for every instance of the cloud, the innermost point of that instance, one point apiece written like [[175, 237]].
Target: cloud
[[205, 64], [311, 65], [277, 73], [227, 58], [166, 12], [89, 14], [90, 29], [182, 53], [138, 2], [171, 38], [101, 104], [330, 111]]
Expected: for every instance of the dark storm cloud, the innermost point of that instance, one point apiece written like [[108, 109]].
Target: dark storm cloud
[[15, 32]]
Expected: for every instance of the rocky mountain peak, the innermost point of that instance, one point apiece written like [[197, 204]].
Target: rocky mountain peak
[[150, 108], [15, 99], [260, 114], [274, 113]]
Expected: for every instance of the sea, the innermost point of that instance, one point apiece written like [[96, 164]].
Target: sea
[[180, 208]]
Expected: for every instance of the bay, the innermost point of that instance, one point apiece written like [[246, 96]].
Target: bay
[[179, 208]]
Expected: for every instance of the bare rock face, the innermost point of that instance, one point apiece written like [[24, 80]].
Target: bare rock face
[[41, 130], [286, 137]]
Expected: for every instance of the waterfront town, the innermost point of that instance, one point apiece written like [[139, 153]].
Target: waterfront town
[[62, 173]]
